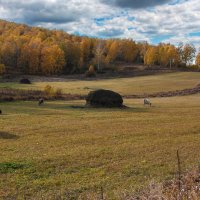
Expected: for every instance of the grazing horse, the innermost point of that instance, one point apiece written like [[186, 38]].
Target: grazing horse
[[41, 101], [147, 102]]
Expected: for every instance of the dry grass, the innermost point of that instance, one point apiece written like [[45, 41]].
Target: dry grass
[[8, 94], [189, 188], [59, 148], [125, 86]]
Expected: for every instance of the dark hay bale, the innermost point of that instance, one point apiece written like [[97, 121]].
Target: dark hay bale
[[104, 98], [8, 136], [25, 81]]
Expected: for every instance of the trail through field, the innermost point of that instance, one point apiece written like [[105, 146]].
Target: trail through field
[[15, 94], [183, 92]]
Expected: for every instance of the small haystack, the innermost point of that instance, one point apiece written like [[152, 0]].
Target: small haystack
[[25, 81]]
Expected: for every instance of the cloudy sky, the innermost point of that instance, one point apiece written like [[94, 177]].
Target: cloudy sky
[[150, 20]]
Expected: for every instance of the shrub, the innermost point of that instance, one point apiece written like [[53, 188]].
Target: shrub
[[194, 67], [2, 69], [91, 72], [49, 90]]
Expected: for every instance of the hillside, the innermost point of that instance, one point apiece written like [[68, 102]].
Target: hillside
[[33, 50]]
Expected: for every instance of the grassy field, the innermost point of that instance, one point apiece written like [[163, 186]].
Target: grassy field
[[59, 148], [125, 86]]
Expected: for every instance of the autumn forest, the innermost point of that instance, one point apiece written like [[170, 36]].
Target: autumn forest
[[33, 50]]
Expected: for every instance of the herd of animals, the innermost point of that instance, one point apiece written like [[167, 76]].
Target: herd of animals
[[41, 102]]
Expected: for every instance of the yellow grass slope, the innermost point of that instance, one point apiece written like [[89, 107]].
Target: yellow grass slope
[[125, 86], [56, 147]]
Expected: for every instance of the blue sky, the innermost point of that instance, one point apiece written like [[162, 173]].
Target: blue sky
[[154, 21]]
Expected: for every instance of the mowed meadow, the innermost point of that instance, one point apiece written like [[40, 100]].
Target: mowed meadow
[[125, 86], [58, 148]]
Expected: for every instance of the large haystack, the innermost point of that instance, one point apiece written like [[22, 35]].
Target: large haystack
[[104, 98]]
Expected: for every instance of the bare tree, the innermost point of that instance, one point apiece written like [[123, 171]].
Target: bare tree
[[99, 51]]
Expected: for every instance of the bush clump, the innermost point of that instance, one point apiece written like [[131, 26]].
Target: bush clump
[[91, 72], [51, 91], [194, 67]]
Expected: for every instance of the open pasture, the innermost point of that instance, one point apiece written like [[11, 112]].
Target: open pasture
[[125, 86], [59, 148]]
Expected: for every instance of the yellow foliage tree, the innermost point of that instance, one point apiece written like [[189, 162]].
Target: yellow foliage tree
[[72, 55], [163, 57], [34, 46], [143, 47], [188, 53], [168, 55], [151, 56], [85, 47], [129, 50], [52, 60], [29, 60], [112, 52], [173, 56], [9, 52], [198, 59]]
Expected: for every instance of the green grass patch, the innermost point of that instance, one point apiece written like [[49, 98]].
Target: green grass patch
[[11, 167]]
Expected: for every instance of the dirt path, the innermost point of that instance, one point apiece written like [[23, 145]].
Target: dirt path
[[183, 92], [31, 95]]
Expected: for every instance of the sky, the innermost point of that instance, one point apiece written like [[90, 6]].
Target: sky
[[154, 21]]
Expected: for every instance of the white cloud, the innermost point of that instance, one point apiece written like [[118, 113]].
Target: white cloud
[[195, 40], [175, 21]]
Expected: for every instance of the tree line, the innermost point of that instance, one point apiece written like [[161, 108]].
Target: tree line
[[33, 50]]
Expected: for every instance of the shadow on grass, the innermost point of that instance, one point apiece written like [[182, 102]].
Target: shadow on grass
[[83, 107], [104, 109], [8, 136]]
